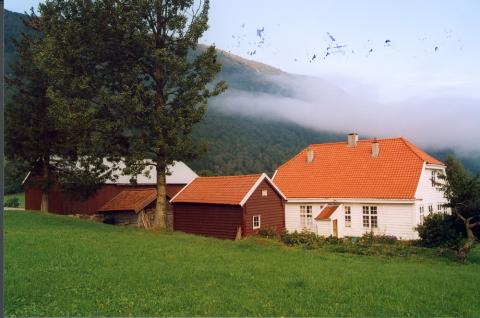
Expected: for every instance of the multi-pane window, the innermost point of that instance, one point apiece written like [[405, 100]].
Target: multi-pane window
[[434, 178], [439, 207], [306, 217], [422, 214], [348, 216], [370, 217], [430, 208], [366, 217], [256, 221]]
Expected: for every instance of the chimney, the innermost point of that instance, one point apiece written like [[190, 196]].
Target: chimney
[[352, 140], [375, 148], [310, 155]]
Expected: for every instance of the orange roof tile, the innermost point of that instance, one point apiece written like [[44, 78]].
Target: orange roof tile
[[326, 212], [338, 171], [130, 200], [217, 190]]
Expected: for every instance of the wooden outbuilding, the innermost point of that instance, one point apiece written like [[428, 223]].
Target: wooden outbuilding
[[229, 207], [117, 200]]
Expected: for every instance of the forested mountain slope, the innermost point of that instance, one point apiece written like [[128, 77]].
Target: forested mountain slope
[[244, 143]]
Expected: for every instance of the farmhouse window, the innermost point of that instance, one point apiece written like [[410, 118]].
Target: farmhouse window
[[422, 214], [306, 217], [370, 217], [430, 209], [256, 222], [264, 193], [434, 178], [348, 216]]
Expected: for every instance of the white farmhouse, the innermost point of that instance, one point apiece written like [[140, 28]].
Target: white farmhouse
[[385, 186]]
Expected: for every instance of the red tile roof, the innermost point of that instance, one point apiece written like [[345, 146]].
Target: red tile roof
[[326, 212], [130, 200], [217, 190], [338, 171]]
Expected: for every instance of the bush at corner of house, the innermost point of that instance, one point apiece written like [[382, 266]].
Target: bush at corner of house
[[305, 239], [385, 239], [441, 230], [370, 238], [268, 232], [12, 203]]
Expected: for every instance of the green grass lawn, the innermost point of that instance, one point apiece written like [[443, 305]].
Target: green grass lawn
[[20, 196], [61, 266]]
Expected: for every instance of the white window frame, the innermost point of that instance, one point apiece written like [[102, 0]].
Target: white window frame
[[434, 178], [259, 221], [306, 216], [422, 214], [264, 192], [370, 217], [430, 209], [348, 216]]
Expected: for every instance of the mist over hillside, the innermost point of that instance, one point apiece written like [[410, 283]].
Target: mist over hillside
[[268, 115], [443, 120]]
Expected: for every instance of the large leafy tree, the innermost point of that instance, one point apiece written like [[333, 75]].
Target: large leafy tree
[[463, 193], [136, 68]]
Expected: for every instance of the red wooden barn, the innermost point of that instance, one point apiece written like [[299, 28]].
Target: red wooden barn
[[226, 207], [115, 199]]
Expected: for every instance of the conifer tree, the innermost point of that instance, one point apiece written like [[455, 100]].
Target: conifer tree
[[35, 137]]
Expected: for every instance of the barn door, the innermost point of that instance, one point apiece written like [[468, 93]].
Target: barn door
[[335, 228]]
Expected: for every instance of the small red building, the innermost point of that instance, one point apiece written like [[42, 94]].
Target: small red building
[[227, 207]]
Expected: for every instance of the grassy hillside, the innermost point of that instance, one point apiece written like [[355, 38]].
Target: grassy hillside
[[60, 266]]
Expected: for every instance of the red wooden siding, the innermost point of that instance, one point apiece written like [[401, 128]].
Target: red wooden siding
[[216, 220], [59, 203], [270, 209]]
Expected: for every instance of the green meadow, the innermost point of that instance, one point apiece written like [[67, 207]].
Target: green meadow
[[61, 266], [19, 196]]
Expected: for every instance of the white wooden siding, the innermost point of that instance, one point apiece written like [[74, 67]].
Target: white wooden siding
[[393, 219], [427, 195], [398, 219], [324, 227]]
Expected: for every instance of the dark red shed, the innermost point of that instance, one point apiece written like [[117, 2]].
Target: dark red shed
[[179, 175], [229, 206]]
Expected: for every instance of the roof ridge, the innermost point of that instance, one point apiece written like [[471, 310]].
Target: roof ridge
[[407, 143], [332, 143], [360, 140], [235, 176], [418, 152]]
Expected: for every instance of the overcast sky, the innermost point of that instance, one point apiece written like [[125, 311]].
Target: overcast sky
[[395, 51]]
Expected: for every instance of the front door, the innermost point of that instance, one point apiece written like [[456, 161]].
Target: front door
[[335, 228]]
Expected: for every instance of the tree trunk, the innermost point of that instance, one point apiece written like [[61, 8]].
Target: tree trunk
[[45, 187], [44, 203], [160, 210], [467, 246]]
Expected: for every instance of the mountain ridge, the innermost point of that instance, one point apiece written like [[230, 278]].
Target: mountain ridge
[[240, 141]]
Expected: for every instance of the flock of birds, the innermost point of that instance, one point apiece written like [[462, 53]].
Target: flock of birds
[[333, 46]]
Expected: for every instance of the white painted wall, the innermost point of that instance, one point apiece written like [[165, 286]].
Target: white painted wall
[[324, 228], [426, 194], [393, 219]]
